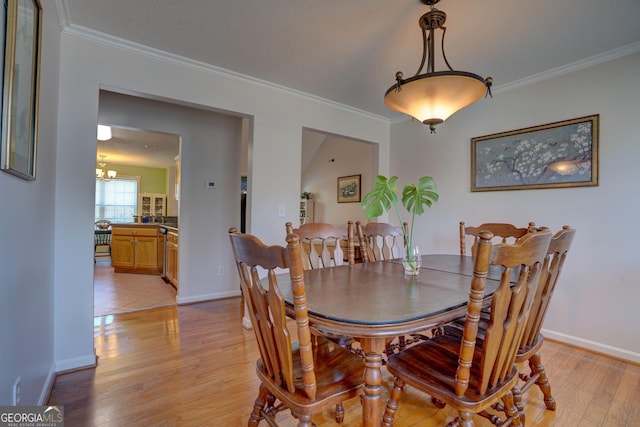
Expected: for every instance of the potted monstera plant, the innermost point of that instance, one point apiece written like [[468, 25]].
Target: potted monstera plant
[[385, 197]]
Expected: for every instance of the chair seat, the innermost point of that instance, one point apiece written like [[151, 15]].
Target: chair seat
[[338, 378], [431, 366]]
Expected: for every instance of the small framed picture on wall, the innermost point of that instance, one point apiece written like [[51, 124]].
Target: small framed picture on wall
[[349, 189]]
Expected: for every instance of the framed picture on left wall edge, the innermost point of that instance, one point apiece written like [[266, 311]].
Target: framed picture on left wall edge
[[20, 87]]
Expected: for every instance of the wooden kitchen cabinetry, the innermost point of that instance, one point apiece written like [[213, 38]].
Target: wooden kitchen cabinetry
[[172, 258], [136, 249]]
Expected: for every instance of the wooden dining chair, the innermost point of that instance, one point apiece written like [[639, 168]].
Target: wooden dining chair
[[532, 340], [529, 349], [506, 233], [101, 239], [307, 376], [322, 244], [380, 241], [322, 247], [472, 376]]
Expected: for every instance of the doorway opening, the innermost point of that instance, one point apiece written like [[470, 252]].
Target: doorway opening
[[139, 193], [325, 159]]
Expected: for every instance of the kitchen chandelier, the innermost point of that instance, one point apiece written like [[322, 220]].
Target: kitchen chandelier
[[100, 172], [435, 95]]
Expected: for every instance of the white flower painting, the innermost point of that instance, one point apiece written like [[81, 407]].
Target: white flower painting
[[562, 154]]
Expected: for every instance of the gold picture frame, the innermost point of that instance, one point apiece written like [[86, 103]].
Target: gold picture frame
[[21, 81], [349, 189], [554, 155]]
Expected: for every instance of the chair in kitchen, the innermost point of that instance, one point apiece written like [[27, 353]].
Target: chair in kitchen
[[505, 232], [472, 376], [308, 376], [322, 244], [101, 239], [380, 241]]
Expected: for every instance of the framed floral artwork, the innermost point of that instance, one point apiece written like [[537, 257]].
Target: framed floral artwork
[[560, 154]]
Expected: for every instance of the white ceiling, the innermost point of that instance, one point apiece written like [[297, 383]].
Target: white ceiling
[[139, 148], [348, 51]]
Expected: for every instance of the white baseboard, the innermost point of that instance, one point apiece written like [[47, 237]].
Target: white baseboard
[[208, 297], [88, 361], [619, 353], [47, 386]]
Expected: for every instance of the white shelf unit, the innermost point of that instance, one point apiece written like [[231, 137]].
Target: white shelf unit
[[306, 211], [152, 204]]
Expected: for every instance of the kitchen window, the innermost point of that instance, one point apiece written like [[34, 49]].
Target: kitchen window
[[116, 199]]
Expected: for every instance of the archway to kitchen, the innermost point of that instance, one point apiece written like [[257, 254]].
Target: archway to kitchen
[[166, 118], [137, 189]]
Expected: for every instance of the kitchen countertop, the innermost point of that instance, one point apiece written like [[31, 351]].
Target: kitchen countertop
[[144, 224]]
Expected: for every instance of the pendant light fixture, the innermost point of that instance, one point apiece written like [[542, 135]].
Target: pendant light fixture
[[101, 173], [435, 95], [104, 133]]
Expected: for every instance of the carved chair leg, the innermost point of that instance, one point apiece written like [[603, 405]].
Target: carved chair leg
[[517, 397], [339, 413], [535, 363], [304, 421], [511, 410], [392, 404], [465, 419], [258, 406]]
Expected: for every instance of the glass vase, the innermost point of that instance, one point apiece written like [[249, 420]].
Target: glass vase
[[412, 261]]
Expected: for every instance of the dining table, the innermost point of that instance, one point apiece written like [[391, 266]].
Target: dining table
[[374, 302]]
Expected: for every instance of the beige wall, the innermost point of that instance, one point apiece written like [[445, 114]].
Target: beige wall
[[333, 158], [595, 305]]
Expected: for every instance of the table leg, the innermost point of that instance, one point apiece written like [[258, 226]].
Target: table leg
[[371, 400]]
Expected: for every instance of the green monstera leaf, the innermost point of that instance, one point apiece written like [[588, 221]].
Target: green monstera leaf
[[384, 196]]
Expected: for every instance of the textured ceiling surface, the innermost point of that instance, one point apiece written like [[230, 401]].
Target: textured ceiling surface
[[348, 51]]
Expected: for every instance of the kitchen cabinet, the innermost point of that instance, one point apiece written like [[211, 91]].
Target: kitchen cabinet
[[171, 269], [136, 249], [152, 204]]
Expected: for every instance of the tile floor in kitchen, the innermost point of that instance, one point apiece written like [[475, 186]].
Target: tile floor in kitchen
[[124, 292]]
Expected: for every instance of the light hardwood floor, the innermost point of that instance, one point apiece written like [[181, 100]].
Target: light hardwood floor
[[193, 365], [123, 292]]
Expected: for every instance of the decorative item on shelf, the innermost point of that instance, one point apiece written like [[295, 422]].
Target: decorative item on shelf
[[384, 197], [101, 173], [435, 95], [305, 195]]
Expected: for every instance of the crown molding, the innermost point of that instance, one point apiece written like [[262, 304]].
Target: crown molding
[[139, 49], [570, 68], [119, 43]]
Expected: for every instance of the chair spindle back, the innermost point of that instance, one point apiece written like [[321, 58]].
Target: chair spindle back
[[505, 232], [380, 241], [321, 244], [267, 307], [510, 306]]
